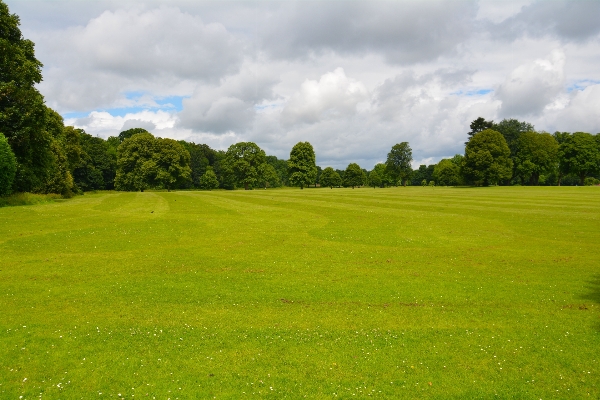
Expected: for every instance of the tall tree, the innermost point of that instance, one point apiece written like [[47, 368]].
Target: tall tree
[[354, 175], [511, 130], [8, 166], [487, 159], [280, 167], [22, 109], [398, 162], [381, 170], [98, 164], [172, 162], [242, 161], [375, 179], [537, 153], [329, 177], [136, 167], [479, 125], [579, 154], [267, 176], [302, 168]]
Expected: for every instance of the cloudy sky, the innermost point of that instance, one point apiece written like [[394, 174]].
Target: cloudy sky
[[353, 78]]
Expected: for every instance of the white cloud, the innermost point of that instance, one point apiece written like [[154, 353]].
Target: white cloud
[[333, 96], [532, 86]]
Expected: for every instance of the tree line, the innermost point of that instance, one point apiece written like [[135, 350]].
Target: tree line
[[39, 154]]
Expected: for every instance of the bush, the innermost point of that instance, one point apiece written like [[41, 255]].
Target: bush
[[591, 181], [28, 199]]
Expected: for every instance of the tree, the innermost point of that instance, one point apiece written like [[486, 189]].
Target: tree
[[280, 167], [302, 168], [267, 175], [537, 153], [98, 164], [579, 154], [511, 130], [446, 173], [375, 179], [479, 125], [209, 180], [381, 170], [136, 167], [129, 133], [8, 166], [329, 177], [354, 175], [172, 162], [242, 161], [22, 109], [398, 162], [487, 159]]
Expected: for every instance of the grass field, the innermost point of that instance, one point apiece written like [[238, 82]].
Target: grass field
[[390, 293]]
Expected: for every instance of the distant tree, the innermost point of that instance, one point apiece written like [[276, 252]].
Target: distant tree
[[136, 167], [537, 153], [487, 159], [66, 154], [129, 133], [302, 168], [98, 164], [579, 154], [375, 179], [8, 166], [209, 180], [354, 176], [280, 167], [479, 125], [172, 162], [381, 170], [446, 173], [330, 177], [267, 175], [511, 130], [242, 160], [399, 162]]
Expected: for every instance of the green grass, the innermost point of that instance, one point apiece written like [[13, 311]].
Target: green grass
[[318, 293], [26, 199]]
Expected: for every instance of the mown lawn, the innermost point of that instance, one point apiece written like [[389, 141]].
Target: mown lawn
[[391, 293]]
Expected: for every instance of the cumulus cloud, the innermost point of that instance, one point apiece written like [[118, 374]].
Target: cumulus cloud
[[333, 96], [404, 32], [103, 124], [532, 86], [162, 50]]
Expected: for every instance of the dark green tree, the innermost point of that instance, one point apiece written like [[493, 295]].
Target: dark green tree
[[129, 133], [8, 167], [98, 165], [537, 154], [329, 177], [172, 163], [511, 130], [242, 161], [479, 125], [280, 167], [579, 155], [136, 167], [267, 176], [209, 180], [487, 159], [398, 162], [446, 173], [354, 176], [381, 170], [22, 109], [302, 168], [375, 179]]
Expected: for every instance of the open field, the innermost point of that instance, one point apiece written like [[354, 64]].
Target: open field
[[390, 293]]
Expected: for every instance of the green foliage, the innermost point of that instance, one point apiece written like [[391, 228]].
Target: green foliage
[[479, 125], [241, 163], [424, 172], [511, 130], [398, 163], [446, 173], [147, 162], [354, 176], [579, 154], [381, 170], [302, 169], [424, 182], [28, 199], [97, 168], [431, 183], [201, 157], [375, 179], [487, 159], [280, 167], [129, 133], [329, 177], [267, 176], [22, 109], [8, 167], [591, 181], [209, 180], [537, 154]]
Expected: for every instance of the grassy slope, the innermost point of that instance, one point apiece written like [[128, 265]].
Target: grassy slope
[[402, 292]]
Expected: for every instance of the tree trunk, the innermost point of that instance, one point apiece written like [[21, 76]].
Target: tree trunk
[[246, 185], [581, 178]]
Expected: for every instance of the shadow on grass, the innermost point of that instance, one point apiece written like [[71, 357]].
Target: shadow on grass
[[593, 292]]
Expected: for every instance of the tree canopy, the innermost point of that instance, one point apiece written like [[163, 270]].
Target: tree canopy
[[398, 163], [354, 175], [329, 177], [302, 168], [487, 159], [579, 154], [242, 161], [537, 153], [8, 166]]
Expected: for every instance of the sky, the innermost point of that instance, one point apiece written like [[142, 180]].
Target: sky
[[353, 78]]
